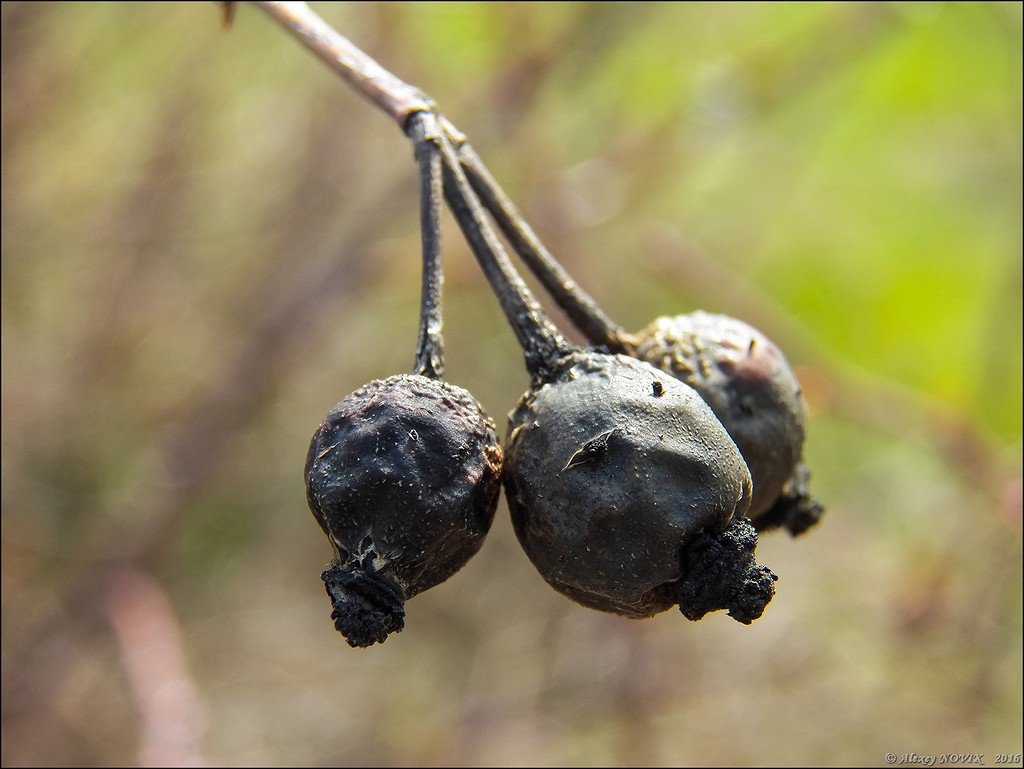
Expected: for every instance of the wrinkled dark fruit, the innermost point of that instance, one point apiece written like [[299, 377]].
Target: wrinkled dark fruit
[[749, 385], [403, 477], [612, 470]]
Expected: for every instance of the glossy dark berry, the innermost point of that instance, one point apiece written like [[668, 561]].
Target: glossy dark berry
[[614, 471], [749, 385], [403, 477]]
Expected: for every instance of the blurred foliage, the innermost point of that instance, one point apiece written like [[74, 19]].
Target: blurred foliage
[[208, 240]]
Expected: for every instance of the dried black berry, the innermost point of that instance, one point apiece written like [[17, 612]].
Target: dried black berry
[[610, 479], [736, 369], [403, 477], [615, 471], [748, 384], [751, 388]]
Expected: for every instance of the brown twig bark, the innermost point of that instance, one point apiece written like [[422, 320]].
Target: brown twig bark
[[397, 98]]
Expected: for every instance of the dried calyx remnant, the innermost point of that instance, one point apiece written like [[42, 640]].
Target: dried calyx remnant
[[625, 490], [403, 475], [638, 471], [738, 371]]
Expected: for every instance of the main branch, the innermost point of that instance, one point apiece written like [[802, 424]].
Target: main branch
[[394, 96]]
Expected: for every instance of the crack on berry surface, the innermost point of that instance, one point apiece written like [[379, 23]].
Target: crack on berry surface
[[591, 450]]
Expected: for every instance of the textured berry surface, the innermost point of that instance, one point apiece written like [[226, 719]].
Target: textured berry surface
[[747, 382], [403, 477], [610, 469]]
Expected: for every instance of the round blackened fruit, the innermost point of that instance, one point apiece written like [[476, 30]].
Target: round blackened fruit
[[613, 471], [748, 384], [403, 477]]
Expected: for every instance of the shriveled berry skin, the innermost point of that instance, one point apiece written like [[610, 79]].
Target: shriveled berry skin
[[611, 467], [403, 476], [747, 382]]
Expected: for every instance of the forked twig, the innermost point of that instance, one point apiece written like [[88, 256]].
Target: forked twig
[[401, 100]]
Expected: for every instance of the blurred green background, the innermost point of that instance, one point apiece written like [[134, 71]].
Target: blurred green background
[[209, 239]]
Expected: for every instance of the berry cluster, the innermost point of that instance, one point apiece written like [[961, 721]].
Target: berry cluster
[[638, 471]]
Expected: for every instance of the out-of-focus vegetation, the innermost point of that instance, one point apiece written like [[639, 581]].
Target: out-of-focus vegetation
[[208, 240]]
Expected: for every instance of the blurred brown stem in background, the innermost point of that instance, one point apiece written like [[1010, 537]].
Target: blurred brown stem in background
[[149, 636]]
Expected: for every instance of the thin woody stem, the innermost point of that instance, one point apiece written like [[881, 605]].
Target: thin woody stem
[[543, 345], [577, 304], [395, 97], [424, 132]]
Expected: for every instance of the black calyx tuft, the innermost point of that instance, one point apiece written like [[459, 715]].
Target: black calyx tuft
[[795, 509], [756, 590], [719, 572], [368, 605]]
